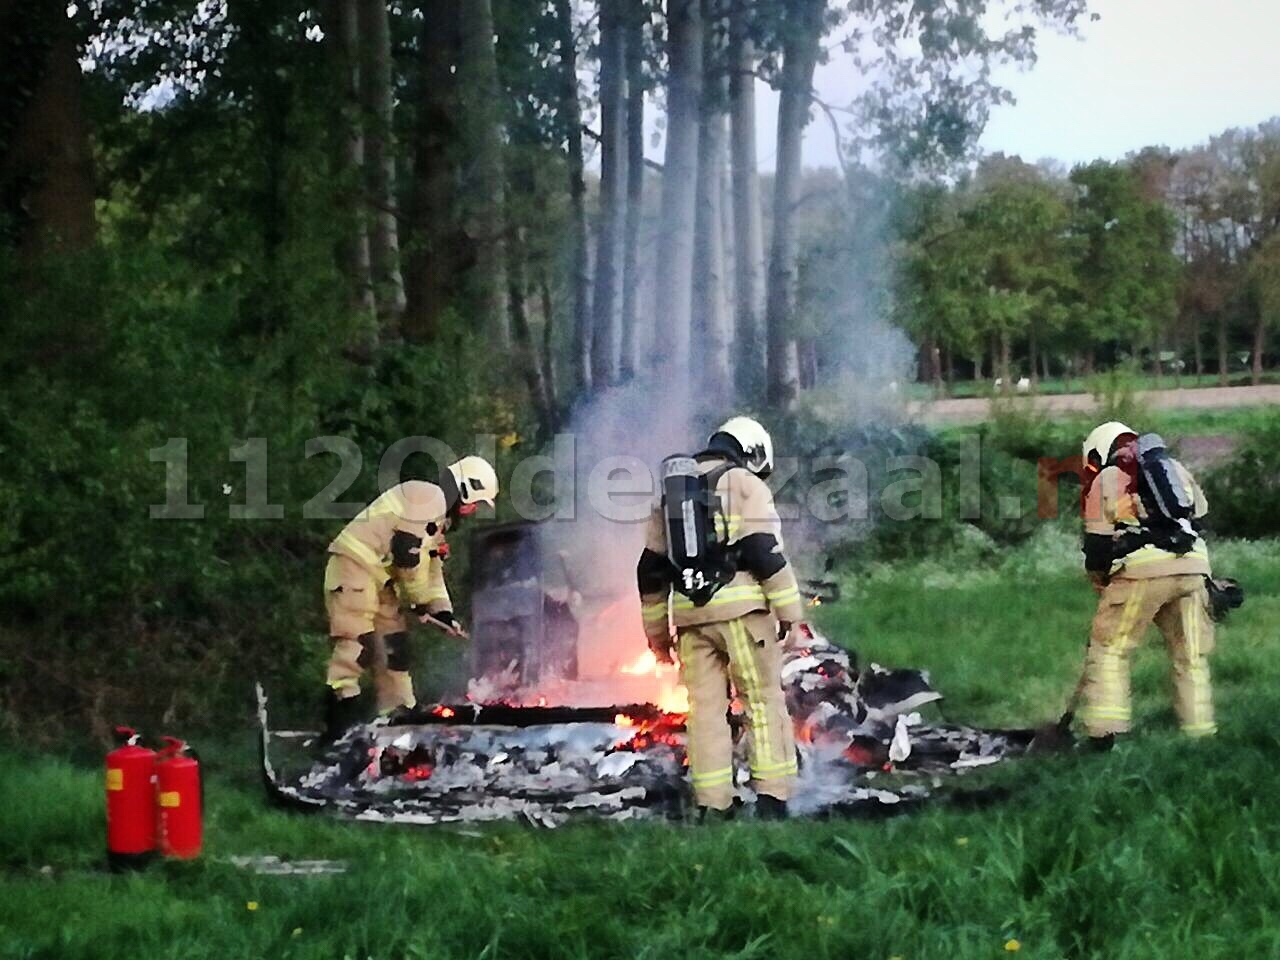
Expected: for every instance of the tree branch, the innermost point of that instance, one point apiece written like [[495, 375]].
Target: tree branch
[[651, 164]]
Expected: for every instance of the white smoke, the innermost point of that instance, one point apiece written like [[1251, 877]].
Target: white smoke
[[619, 438]]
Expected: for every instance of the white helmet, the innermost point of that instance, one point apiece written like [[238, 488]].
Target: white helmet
[[1102, 440], [755, 442], [476, 480]]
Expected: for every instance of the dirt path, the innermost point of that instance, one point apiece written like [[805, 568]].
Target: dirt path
[[976, 409]]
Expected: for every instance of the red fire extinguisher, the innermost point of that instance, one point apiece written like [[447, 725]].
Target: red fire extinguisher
[[179, 801], [131, 820]]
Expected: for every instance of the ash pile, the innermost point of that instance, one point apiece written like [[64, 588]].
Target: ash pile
[[864, 749]]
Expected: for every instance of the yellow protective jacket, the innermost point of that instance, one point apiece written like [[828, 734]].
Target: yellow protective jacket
[[1113, 506], [748, 510], [397, 539]]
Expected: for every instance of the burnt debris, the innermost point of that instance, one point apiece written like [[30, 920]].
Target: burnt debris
[[864, 750]]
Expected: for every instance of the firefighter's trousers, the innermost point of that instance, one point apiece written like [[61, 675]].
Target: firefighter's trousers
[[367, 630], [1179, 606], [745, 652]]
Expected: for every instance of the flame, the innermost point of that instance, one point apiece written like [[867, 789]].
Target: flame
[[675, 700], [647, 662], [441, 711], [664, 729], [673, 697]]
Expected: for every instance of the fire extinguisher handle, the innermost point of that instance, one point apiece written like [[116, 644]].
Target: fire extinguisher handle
[[173, 746], [127, 734]]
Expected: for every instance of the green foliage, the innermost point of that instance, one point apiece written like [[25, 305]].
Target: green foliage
[[1244, 492], [1128, 270], [1115, 394], [137, 617]]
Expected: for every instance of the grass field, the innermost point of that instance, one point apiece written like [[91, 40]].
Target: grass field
[[1056, 385], [1163, 848]]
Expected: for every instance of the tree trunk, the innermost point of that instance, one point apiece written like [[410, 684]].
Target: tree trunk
[[1198, 347], [46, 166], [803, 31], [977, 367], [548, 347], [378, 94], [637, 20], [481, 195], [710, 346], [679, 191], [1006, 374], [933, 364], [342, 38], [1223, 362], [571, 110], [748, 244], [1044, 364], [1033, 350], [530, 361], [807, 362], [606, 342], [1259, 346], [950, 363], [433, 258], [1177, 354]]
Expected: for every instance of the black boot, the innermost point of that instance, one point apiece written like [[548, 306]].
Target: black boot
[[1101, 744], [714, 815], [340, 715], [770, 808]]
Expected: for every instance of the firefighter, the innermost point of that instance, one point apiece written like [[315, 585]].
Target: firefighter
[[393, 552], [1149, 564], [731, 630]]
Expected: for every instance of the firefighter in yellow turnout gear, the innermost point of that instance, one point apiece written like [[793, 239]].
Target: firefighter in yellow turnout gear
[[393, 553], [734, 635], [1149, 565]]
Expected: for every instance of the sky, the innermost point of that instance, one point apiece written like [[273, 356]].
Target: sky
[[1170, 72]]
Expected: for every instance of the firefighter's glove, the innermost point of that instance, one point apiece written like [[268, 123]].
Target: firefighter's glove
[[663, 647], [443, 620], [794, 634]]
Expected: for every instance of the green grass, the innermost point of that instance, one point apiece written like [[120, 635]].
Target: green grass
[[1056, 385], [1161, 849]]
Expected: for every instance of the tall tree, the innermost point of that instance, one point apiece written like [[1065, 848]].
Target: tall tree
[[711, 342], [570, 110], [1128, 273], [748, 247], [378, 93], [46, 166], [1264, 270], [481, 194], [342, 39], [674, 302], [434, 256], [606, 343], [801, 35], [638, 19]]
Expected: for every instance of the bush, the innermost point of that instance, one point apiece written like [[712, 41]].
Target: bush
[[1116, 393], [115, 616], [1244, 493]]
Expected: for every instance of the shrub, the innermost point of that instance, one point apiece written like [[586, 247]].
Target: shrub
[[1244, 492]]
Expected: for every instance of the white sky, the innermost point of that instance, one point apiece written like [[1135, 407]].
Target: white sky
[[1168, 72]]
